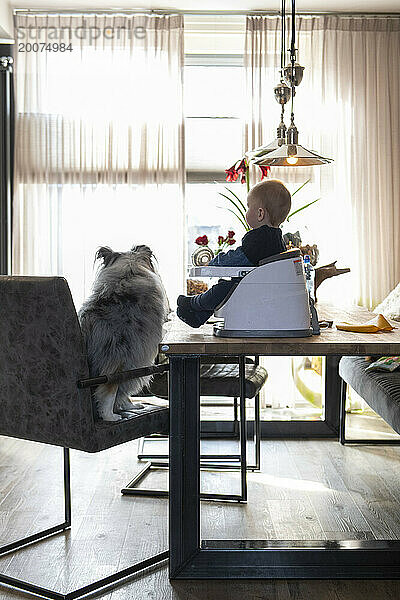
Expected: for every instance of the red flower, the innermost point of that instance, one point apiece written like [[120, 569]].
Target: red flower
[[231, 174], [264, 171], [231, 241], [202, 240], [242, 169], [231, 234], [220, 240], [242, 166]]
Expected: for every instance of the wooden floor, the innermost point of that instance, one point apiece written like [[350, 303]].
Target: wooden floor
[[306, 490]]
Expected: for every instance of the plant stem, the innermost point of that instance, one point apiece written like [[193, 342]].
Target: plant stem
[[247, 175]]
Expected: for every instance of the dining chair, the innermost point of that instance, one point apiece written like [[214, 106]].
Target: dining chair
[[45, 397], [218, 378]]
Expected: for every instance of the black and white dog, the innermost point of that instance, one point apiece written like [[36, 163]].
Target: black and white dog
[[122, 324]]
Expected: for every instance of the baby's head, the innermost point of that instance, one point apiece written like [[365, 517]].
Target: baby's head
[[268, 203]]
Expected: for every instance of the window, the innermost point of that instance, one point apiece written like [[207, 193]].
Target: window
[[100, 150], [214, 104]]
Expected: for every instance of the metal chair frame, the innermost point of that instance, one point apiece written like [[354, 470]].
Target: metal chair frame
[[132, 489], [219, 458], [110, 581], [209, 461]]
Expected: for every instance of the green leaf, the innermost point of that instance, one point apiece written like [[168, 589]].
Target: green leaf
[[245, 225], [242, 214], [237, 198], [241, 209], [301, 187], [302, 208]]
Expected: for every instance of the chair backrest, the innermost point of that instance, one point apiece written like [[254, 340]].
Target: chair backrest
[[42, 355]]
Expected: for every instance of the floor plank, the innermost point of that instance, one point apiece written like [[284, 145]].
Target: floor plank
[[336, 508]]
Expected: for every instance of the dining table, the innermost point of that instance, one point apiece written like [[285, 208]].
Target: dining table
[[194, 558]]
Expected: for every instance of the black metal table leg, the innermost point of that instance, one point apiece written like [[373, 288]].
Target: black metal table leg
[[243, 429], [247, 559], [332, 393], [184, 473]]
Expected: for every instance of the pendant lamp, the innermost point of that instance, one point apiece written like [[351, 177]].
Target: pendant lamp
[[282, 95], [286, 151]]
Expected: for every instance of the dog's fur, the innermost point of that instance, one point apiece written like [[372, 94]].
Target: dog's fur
[[122, 324]]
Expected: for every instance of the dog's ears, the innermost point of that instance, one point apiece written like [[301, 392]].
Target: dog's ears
[[147, 254], [105, 254], [142, 248]]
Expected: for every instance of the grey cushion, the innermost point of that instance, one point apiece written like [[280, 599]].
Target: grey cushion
[[152, 419], [42, 355], [219, 380], [381, 391]]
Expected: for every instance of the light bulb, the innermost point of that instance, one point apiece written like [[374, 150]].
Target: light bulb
[[292, 160]]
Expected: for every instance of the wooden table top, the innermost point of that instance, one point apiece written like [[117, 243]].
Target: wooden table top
[[182, 339]]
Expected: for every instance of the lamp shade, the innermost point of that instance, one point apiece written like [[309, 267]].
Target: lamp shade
[[258, 153], [290, 155]]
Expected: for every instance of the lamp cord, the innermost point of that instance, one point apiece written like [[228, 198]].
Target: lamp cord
[[293, 57], [293, 43], [283, 38]]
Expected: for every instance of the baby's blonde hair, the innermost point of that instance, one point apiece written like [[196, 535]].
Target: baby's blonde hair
[[274, 197]]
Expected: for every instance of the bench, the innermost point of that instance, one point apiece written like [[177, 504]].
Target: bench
[[381, 391]]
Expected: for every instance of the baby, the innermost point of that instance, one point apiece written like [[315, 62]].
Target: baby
[[268, 204]]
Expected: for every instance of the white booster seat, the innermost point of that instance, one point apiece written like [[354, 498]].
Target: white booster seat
[[270, 300]]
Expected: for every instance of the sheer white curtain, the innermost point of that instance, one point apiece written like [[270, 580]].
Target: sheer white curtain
[[347, 108], [99, 143]]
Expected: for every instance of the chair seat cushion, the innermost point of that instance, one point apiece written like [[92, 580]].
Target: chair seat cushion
[[148, 420], [381, 391], [215, 380], [218, 380]]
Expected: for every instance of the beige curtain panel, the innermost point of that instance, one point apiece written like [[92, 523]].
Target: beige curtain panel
[[348, 109], [116, 115]]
